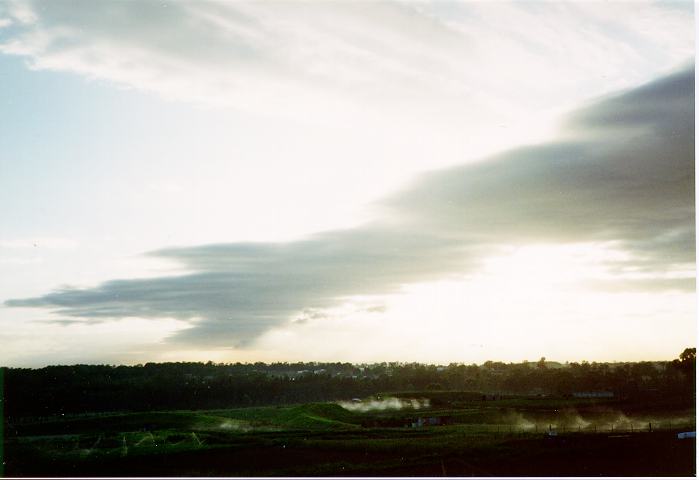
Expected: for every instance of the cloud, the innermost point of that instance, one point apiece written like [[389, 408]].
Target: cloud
[[49, 243], [308, 58], [20, 260], [622, 173], [625, 172], [65, 322]]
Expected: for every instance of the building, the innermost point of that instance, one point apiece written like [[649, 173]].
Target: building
[[593, 394]]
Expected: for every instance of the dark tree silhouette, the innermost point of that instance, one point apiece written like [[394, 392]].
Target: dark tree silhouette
[[77, 389]]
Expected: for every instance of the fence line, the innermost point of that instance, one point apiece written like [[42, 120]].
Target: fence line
[[553, 429]]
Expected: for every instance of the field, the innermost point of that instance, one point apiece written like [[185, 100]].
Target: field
[[418, 433]]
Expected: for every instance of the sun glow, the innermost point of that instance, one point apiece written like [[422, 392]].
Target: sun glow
[[526, 302]]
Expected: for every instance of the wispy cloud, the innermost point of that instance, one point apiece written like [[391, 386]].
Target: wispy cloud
[[454, 59], [622, 173], [51, 243]]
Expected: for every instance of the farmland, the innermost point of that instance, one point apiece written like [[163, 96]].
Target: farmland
[[410, 433]]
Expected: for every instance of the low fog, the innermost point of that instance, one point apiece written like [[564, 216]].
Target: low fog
[[390, 403]]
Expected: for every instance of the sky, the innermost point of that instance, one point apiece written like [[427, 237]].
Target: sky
[[346, 181]]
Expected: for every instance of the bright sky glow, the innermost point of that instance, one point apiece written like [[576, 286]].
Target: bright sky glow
[[414, 181]]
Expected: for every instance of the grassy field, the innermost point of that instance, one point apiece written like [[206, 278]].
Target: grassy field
[[468, 436]]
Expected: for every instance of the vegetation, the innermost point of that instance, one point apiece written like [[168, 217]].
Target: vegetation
[[480, 437], [514, 419], [61, 390]]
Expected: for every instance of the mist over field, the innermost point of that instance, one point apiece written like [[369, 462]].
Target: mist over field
[[362, 420], [390, 403]]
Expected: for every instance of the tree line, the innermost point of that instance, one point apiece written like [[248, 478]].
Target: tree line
[[76, 389]]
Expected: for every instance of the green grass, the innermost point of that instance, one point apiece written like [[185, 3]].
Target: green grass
[[480, 429], [145, 433], [311, 416]]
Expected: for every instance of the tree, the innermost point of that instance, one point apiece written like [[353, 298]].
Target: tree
[[688, 356], [684, 368], [687, 363]]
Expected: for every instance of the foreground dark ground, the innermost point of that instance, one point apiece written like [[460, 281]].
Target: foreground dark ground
[[639, 454], [462, 434]]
